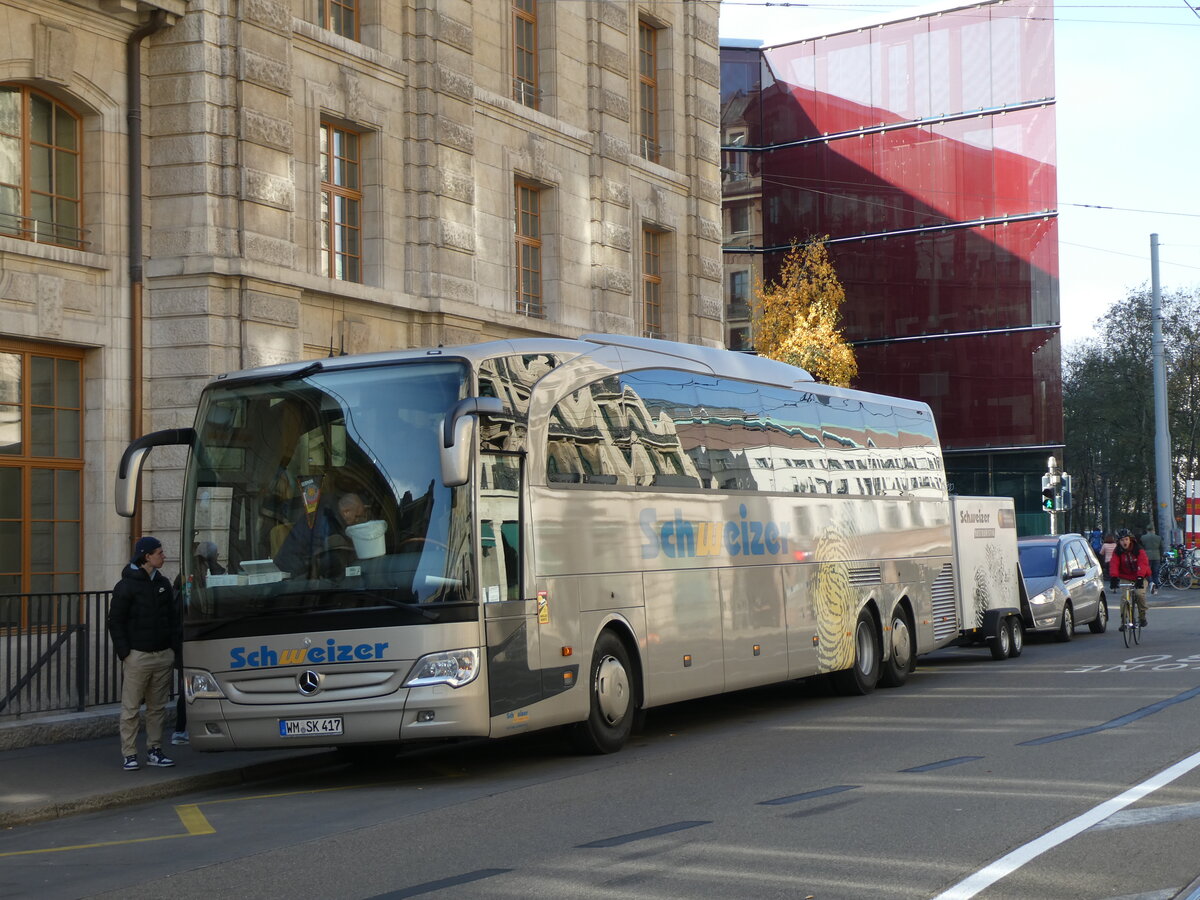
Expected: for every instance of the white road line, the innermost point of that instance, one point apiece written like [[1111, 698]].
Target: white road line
[[1006, 865]]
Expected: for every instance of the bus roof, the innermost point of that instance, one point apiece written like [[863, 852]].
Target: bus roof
[[714, 360]]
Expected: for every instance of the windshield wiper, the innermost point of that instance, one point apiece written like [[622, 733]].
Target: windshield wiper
[[418, 608]]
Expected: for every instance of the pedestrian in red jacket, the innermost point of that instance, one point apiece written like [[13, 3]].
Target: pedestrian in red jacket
[[1130, 563]]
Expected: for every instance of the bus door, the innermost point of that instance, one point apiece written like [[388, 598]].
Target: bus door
[[510, 618]]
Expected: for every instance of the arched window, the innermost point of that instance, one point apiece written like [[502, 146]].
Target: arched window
[[41, 180]]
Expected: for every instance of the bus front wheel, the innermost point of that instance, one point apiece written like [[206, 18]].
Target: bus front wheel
[[612, 695], [861, 677]]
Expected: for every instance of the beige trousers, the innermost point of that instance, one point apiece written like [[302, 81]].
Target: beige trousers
[[145, 676]]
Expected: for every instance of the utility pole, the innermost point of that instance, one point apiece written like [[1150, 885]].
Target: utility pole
[[1164, 480]]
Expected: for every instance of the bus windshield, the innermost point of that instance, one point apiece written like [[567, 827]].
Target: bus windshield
[[321, 493]]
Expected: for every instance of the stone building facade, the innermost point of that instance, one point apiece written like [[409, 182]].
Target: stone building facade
[[315, 177]]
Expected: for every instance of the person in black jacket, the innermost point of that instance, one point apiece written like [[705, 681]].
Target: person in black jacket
[[143, 622]]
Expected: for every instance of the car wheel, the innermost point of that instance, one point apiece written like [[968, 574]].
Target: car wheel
[[1099, 625], [1016, 642], [1066, 625]]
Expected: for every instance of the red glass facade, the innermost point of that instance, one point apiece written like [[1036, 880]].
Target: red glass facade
[[925, 150]]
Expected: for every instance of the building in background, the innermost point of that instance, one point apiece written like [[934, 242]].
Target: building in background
[[924, 148], [314, 178]]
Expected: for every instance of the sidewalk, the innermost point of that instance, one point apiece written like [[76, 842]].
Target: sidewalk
[[62, 765]]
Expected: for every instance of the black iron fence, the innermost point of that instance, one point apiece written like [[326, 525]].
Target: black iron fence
[[55, 653]]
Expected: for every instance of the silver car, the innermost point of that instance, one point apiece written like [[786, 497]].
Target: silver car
[[1065, 583]]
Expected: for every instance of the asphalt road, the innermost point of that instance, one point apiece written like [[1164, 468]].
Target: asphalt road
[[1071, 772]]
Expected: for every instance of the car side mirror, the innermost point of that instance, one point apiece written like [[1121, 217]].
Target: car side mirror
[[1077, 573]]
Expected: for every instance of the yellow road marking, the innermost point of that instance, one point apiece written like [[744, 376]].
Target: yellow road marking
[[193, 820], [160, 837], [189, 814]]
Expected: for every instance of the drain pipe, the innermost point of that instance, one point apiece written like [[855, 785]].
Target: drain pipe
[[133, 116]]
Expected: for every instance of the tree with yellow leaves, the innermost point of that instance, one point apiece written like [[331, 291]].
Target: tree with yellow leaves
[[796, 319]]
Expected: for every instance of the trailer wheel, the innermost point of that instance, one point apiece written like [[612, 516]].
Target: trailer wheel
[[1001, 642], [612, 693], [1016, 639], [861, 677], [903, 658]]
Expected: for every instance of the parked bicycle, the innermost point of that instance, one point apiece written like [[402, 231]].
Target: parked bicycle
[[1179, 568]]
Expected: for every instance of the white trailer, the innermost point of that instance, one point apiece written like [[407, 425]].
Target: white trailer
[[988, 584]]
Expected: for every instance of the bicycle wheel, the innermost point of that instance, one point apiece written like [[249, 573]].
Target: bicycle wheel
[[1126, 622], [1136, 629], [1182, 577]]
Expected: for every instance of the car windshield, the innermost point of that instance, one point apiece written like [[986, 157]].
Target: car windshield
[[1039, 560], [322, 494]]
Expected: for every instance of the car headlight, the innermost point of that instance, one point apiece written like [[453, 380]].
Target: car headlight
[[1043, 597], [201, 685], [453, 667]]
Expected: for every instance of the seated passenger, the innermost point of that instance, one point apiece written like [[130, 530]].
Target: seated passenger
[[318, 547]]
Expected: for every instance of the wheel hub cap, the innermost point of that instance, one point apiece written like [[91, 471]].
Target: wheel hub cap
[[612, 690]]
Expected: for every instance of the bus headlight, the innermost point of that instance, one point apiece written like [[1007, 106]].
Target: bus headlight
[[453, 667], [201, 685]]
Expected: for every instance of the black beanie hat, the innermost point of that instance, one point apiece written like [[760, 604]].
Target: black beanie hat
[[143, 547]]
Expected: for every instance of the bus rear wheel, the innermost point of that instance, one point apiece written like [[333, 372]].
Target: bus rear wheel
[[903, 658], [861, 677], [612, 695]]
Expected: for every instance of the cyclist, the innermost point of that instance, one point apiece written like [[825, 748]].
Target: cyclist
[[1129, 563]]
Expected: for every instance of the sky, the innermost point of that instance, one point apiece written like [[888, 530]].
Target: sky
[[1127, 92]]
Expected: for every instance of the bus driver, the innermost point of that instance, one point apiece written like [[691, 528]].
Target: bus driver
[[316, 546]]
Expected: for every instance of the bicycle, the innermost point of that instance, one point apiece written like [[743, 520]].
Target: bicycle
[[1177, 571], [1131, 629]]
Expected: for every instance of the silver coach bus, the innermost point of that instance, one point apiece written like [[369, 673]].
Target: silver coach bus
[[497, 538]]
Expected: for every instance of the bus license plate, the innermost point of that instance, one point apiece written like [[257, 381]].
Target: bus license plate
[[308, 727]]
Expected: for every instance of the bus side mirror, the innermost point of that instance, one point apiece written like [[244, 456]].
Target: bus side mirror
[[458, 437], [129, 472]]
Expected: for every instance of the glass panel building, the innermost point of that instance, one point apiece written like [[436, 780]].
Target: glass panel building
[[924, 149]]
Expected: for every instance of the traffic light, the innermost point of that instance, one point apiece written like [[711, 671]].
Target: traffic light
[[1048, 499], [1066, 493]]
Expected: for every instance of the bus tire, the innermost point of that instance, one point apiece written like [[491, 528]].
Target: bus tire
[[612, 699], [903, 659], [861, 677]]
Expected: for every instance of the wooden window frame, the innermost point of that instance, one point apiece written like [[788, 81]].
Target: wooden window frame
[[649, 147], [31, 465], [530, 272], [328, 18], [341, 202], [652, 283], [59, 155], [525, 62]]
